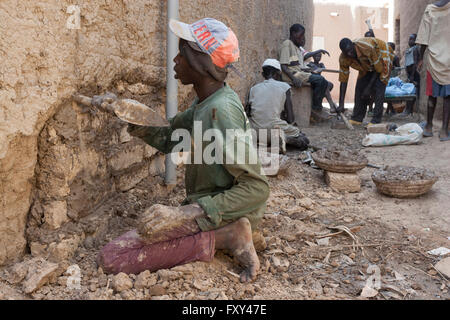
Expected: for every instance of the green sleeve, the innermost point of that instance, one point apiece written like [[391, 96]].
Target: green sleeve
[[160, 137], [251, 188]]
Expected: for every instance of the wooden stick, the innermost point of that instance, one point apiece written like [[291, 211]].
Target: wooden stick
[[342, 246], [443, 276], [233, 274], [421, 271], [354, 229], [344, 118], [331, 70], [347, 123], [86, 101]]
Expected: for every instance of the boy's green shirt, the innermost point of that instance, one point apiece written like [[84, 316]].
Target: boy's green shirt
[[226, 192]]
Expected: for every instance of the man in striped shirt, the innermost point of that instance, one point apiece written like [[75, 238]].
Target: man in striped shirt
[[371, 57]]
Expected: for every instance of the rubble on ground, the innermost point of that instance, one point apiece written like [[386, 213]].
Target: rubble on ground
[[315, 243]]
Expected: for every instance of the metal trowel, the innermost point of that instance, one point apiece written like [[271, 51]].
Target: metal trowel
[[128, 110]]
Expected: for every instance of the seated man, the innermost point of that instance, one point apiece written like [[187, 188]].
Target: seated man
[[317, 68], [268, 99], [292, 64], [370, 56], [225, 199]]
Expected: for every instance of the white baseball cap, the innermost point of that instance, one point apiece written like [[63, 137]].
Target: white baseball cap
[[272, 63]]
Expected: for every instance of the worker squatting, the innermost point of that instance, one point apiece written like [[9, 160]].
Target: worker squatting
[[234, 146]]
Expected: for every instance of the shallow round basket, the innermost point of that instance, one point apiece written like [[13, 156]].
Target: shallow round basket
[[404, 189], [399, 107], [338, 166]]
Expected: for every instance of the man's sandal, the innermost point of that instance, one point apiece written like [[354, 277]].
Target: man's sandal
[[427, 134], [355, 123]]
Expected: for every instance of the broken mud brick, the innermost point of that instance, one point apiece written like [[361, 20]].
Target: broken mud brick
[[378, 128], [349, 182]]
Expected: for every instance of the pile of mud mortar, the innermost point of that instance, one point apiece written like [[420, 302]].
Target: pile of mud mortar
[[401, 173], [341, 156]]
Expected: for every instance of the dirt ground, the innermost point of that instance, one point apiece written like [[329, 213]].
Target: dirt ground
[[308, 256]]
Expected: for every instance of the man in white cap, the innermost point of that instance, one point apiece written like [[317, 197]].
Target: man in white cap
[[224, 201], [268, 100]]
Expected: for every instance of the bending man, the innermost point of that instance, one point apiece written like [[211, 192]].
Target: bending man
[[370, 56]]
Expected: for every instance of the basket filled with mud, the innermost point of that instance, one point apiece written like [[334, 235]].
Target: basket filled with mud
[[341, 161], [404, 182]]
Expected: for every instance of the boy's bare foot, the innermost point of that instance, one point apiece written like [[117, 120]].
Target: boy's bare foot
[[237, 237]]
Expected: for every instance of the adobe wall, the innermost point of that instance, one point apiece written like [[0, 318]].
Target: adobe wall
[[58, 163]]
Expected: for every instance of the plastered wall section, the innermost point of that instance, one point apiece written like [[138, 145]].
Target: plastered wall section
[[118, 42]]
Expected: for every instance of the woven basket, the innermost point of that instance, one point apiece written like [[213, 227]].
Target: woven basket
[[399, 107], [404, 189], [338, 166]]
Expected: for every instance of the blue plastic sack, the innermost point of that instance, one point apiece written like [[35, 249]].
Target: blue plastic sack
[[394, 91], [396, 87], [408, 89], [396, 81]]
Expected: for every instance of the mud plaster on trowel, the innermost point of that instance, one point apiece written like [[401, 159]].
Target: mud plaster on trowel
[[132, 111]]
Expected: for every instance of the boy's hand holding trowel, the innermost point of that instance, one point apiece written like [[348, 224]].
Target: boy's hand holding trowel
[[128, 110]]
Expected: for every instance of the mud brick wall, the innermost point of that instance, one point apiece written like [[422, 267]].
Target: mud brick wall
[[58, 163]]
